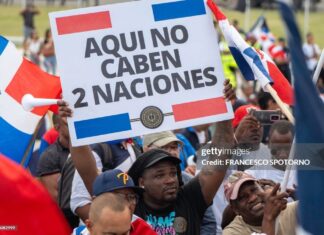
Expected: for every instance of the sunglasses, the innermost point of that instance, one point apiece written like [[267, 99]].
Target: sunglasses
[[130, 197]]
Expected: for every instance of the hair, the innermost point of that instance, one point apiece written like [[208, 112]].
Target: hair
[[282, 127], [47, 33], [263, 99], [106, 200], [309, 34]]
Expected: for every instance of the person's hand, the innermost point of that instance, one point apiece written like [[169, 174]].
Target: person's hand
[[64, 109], [292, 192], [266, 184], [191, 170], [229, 92], [274, 203], [248, 123]]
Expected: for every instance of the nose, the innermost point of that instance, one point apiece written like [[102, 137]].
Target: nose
[[252, 197], [171, 179]]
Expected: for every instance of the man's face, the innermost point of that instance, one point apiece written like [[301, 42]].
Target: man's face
[[310, 39], [172, 148], [252, 132], [112, 223], [130, 196], [280, 144], [249, 204], [160, 182]]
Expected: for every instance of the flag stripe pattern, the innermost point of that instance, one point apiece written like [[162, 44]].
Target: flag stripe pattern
[[254, 65], [83, 22], [103, 125], [198, 109], [178, 9], [17, 78]]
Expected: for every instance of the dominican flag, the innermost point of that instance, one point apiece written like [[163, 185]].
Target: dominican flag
[[264, 36], [18, 77], [254, 64], [309, 113]]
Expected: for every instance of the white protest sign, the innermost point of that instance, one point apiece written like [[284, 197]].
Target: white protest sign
[[135, 68]]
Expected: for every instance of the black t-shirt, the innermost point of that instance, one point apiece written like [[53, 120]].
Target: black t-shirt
[[29, 18], [52, 159], [183, 217]]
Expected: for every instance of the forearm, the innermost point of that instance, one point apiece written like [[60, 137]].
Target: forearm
[[268, 226], [211, 176], [85, 164]]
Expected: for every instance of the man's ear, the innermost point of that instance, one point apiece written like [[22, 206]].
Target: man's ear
[[141, 182], [89, 225]]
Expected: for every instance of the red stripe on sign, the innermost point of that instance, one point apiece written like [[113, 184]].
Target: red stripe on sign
[[83, 22], [198, 109]]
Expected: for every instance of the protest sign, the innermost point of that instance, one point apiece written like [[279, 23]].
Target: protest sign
[[135, 68]]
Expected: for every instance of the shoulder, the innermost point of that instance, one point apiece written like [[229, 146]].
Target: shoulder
[[139, 226], [236, 227]]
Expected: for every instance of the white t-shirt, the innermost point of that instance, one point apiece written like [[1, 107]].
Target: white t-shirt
[[79, 193], [309, 51]]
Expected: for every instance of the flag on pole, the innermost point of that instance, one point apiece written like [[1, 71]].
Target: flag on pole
[[254, 64], [309, 113], [266, 39], [18, 77], [26, 207]]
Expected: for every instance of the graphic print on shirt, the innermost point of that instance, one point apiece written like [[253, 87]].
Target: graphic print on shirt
[[163, 225]]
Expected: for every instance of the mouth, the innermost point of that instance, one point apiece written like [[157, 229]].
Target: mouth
[[257, 207], [171, 190]]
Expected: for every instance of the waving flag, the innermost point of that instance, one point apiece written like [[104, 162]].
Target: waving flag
[[26, 207], [18, 77], [309, 113], [267, 40], [254, 64]]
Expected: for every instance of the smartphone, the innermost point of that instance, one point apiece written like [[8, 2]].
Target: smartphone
[[267, 117]]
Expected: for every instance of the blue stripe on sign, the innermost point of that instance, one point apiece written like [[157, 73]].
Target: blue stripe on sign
[[102, 125], [3, 44], [178, 9], [13, 143], [242, 64]]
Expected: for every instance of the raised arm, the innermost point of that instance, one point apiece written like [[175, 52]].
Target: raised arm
[[82, 156], [211, 177]]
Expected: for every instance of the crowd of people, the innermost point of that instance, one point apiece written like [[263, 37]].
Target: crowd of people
[[39, 51], [157, 183]]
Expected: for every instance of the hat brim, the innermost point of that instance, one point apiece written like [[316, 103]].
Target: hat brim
[[137, 190], [172, 159], [237, 187], [164, 141]]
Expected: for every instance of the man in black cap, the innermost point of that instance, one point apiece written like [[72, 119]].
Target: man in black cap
[[166, 205]]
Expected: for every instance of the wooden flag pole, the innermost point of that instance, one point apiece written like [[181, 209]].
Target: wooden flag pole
[[31, 142], [281, 104]]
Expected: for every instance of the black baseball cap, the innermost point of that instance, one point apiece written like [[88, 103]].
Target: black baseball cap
[[149, 159]]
